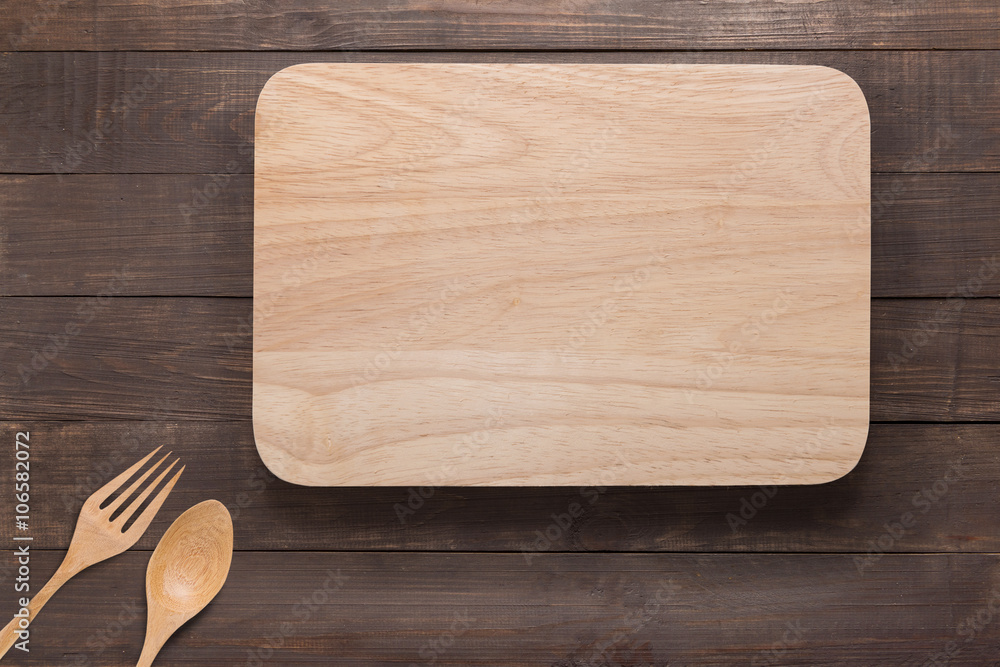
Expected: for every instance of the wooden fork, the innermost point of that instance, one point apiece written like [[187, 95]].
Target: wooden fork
[[98, 537]]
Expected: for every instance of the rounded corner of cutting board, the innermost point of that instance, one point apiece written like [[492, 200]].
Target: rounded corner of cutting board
[[848, 464], [857, 93], [273, 82], [282, 73], [276, 463]]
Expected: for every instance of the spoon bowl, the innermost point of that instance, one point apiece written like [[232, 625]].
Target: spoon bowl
[[186, 571]]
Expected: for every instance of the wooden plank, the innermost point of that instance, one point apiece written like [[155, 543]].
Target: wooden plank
[[193, 113], [189, 358], [179, 236], [936, 359], [170, 235], [547, 276], [944, 475], [296, 608], [933, 233], [98, 25], [86, 357]]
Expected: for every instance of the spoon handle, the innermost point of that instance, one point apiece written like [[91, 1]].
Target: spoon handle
[[149, 651], [158, 631]]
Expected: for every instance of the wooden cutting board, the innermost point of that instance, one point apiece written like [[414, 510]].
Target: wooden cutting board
[[520, 274]]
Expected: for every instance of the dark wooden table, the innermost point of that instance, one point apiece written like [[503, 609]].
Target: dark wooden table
[[126, 211]]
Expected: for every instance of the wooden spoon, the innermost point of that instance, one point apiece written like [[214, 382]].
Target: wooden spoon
[[187, 570]]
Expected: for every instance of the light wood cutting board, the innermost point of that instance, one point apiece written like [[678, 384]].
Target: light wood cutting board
[[500, 274]]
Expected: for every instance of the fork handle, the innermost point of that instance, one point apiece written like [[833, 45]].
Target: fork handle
[[12, 633]]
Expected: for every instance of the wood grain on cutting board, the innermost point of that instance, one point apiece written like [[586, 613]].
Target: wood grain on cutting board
[[560, 274]]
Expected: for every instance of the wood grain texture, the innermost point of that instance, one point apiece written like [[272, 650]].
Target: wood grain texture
[[68, 235], [71, 358], [915, 346], [193, 113], [560, 610], [560, 274], [904, 469], [188, 235], [186, 571], [190, 358], [931, 111], [935, 234], [161, 25]]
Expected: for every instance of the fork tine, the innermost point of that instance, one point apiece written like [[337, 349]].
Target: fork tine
[[138, 500], [105, 491], [110, 509], [142, 522]]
